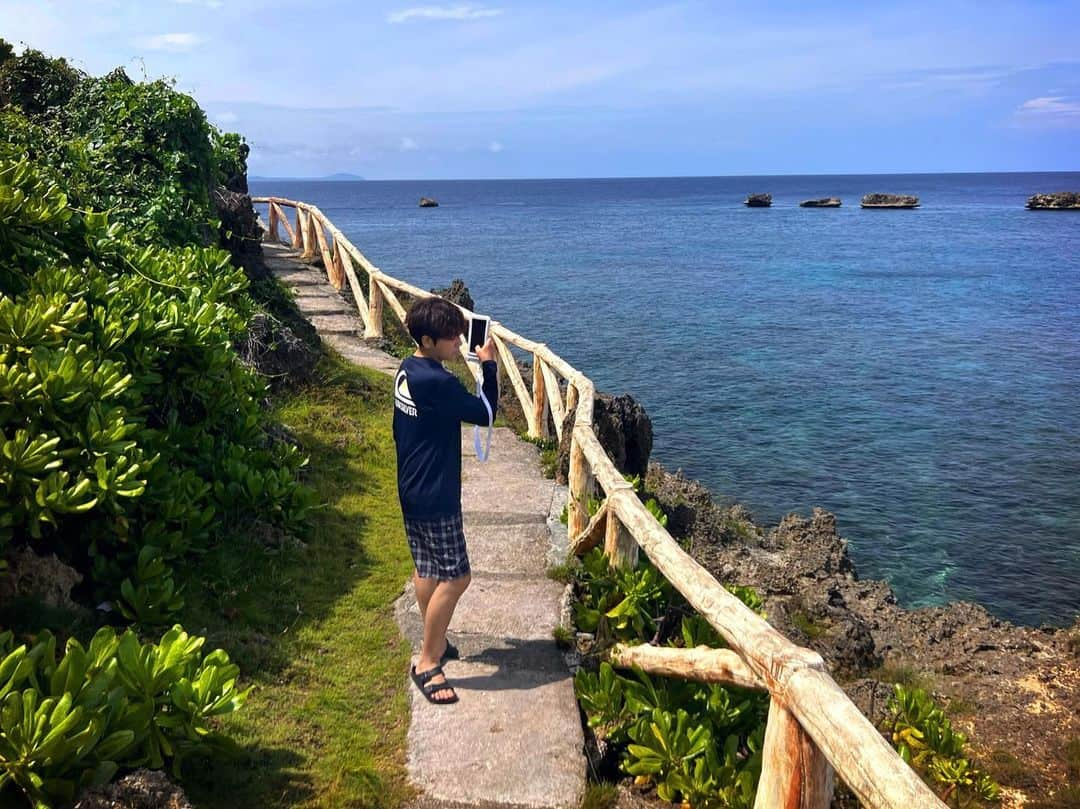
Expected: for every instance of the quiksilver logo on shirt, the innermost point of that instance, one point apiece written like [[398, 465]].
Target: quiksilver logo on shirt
[[403, 400]]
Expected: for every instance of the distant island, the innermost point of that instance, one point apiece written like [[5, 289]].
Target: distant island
[[339, 177]]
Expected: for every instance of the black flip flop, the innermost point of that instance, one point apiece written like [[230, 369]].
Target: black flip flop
[[430, 689]]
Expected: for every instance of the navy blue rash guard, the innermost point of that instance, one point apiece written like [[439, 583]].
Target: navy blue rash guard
[[429, 405]]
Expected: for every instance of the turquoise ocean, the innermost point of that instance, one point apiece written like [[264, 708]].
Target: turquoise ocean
[[916, 372]]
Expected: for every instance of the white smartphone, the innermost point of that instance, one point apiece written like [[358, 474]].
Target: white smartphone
[[478, 333]]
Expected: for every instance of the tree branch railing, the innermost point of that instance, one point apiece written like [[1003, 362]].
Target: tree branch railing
[[814, 731]]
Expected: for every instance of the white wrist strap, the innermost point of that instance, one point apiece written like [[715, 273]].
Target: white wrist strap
[[482, 455]]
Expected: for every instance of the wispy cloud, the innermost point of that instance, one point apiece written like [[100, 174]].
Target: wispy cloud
[[207, 3], [460, 12], [495, 147], [408, 145], [169, 42], [1049, 111]]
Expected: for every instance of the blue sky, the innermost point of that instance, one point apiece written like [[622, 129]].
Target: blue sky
[[429, 89]]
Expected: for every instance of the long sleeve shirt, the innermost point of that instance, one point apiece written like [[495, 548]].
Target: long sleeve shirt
[[429, 405]]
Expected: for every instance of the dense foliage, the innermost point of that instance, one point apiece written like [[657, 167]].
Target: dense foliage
[[131, 430], [926, 740], [698, 744], [72, 722], [131, 435], [143, 152]]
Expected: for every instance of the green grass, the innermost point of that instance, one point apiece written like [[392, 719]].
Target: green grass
[[807, 625], [904, 674], [312, 627]]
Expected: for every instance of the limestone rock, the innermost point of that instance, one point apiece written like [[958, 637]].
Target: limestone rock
[[1059, 201], [890, 201], [824, 202], [758, 201], [428, 202]]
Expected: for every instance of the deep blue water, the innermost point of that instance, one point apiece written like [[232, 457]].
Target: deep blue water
[[917, 372]]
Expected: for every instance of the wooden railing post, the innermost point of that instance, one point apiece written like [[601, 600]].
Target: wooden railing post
[[539, 426], [375, 307], [794, 773], [309, 235], [580, 481], [298, 233], [272, 228], [619, 545]]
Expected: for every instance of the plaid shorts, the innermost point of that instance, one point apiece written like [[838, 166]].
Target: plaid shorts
[[438, 547]]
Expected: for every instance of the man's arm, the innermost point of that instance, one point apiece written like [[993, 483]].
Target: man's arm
[[465, 406]]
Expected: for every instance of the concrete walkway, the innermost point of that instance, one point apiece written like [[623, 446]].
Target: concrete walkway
[[514, 739]]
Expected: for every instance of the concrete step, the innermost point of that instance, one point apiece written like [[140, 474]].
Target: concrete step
[[324, 306], [294, 277], [355, 350], [515, 548], [337, 324]]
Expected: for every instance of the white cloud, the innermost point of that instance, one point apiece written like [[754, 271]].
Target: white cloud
[[495, 147], [1049, 111], [460, 12], [169, 42], [207, 3], [408, 145], [225, 117]]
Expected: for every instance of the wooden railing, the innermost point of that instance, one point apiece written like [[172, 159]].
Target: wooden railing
[[813, 729]]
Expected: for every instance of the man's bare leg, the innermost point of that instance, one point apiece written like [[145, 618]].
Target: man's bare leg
[[441, 602]]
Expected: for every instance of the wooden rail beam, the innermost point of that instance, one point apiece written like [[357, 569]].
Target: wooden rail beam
[[701, 664], [592, 535], [391, 298], [517, 382], [284, 220], [554, 396]]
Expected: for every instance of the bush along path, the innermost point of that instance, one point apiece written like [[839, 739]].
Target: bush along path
[[134, 442], [515, 737]]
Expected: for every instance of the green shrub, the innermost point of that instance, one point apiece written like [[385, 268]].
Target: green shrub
[[925, 739], [697, 743], [34, 82], [72, 722], [126, 419]]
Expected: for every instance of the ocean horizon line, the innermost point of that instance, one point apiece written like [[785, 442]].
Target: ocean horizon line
[[329, 178]]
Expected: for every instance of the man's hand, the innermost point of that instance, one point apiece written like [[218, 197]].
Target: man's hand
[[487, 350]]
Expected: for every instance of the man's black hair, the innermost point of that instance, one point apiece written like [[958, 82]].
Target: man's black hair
[[435, 317]]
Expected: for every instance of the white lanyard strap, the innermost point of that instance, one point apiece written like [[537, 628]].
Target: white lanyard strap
[[482, 455]]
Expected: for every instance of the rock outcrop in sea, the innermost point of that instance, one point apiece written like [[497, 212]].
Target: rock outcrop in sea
[[824, 202], [890, 201], [428, 202], [758, 201], [1058, 201]]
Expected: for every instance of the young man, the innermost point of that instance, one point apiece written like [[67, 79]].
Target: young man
[[429, 405]]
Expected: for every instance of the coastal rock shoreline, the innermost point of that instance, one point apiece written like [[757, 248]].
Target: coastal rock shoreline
[[1015, 690]]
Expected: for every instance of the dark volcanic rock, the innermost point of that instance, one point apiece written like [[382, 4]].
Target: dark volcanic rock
[[44, 578], [428, 202], [457, 293], [890, 201], [240, 232], [142, 789], [1059, 201], [758, 201], [624, 430], [824, 202], [276, 351]]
